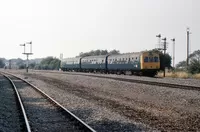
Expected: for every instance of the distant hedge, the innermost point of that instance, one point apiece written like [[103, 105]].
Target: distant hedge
[[49, 63]]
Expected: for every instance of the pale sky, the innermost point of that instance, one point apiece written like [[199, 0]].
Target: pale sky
[[74, 26]]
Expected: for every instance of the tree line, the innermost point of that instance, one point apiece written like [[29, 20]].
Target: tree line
[[98, 52], [194, 63], [48, 63]]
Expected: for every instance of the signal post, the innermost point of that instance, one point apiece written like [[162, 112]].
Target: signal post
[[27, 54]]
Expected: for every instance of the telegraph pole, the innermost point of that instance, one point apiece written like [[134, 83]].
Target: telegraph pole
[[173, 40], [159, 40], [27, 54], [188, 38], [165, 48]]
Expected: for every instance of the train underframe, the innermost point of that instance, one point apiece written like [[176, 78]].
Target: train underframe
[[149, 73]]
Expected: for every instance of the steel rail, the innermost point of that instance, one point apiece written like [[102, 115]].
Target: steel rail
[[82, 123], [21, 104]]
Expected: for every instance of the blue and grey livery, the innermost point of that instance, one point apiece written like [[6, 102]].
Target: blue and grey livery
[[142, 63]]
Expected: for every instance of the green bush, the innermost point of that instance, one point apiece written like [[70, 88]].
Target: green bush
[[194, 66], [2, 64], [50, 63]]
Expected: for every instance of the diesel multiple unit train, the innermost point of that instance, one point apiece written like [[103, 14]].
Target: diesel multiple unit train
[[141, 63]]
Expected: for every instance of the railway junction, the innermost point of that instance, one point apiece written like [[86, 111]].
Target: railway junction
[[70, 101]]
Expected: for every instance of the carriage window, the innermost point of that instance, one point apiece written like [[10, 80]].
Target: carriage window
[[136, 58], [146, 59], [155, 59], [102, 61], [132, 58], [129, 59]]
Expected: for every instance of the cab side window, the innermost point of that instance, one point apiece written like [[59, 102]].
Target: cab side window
[[156, 59], [146, 59]]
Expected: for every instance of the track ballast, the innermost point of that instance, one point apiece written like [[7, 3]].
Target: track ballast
[[43, 112]]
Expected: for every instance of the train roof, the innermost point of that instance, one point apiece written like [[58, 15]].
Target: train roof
[[125, 54], [104, 56], [72, 58], [97, 56]]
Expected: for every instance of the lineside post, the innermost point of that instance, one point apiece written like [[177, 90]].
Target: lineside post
[[173, 40], [165, 48], [27, 54], [188, 46]]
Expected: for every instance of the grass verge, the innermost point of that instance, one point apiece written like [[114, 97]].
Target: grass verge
[[180, 74]]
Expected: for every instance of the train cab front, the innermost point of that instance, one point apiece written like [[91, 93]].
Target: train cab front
[[150, 63]]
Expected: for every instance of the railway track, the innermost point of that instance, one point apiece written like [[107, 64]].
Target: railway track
[[41, 112], [170, 85], [12, 115]]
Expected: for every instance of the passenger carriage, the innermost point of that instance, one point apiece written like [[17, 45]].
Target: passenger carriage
[[94, 63]]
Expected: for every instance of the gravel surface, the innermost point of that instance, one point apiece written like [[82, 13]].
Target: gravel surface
[[10, 116], [192, 82], [42, 115], [122, 103]]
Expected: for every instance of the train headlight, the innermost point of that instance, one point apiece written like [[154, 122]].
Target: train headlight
[[136, 65]]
